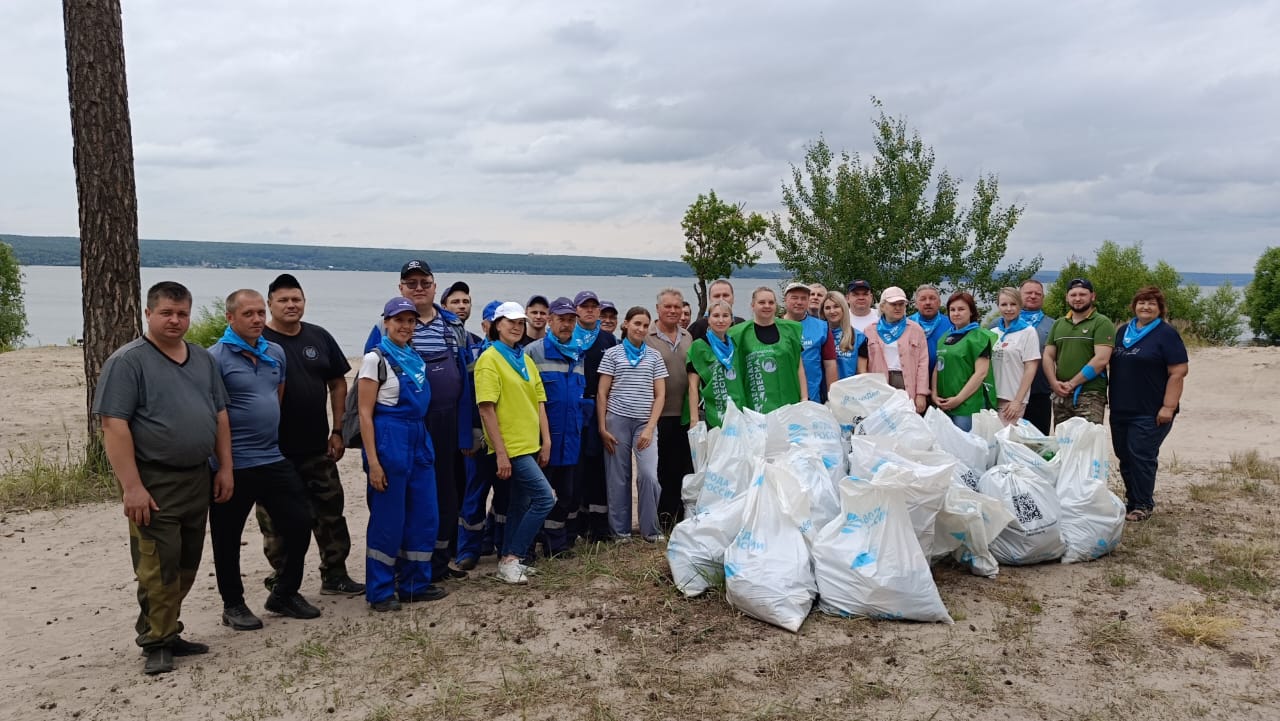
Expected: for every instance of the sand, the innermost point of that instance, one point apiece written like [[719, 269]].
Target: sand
[[67, 606]]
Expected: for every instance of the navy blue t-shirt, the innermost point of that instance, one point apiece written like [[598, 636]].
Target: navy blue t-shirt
[[1139, 375]]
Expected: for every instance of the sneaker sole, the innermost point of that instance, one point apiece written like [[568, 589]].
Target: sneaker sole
[[336, 592], [239, 627]]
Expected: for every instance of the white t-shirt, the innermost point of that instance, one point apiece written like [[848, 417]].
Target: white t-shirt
[[892, 358], [862, 322], [389, 393], [1011, 351]]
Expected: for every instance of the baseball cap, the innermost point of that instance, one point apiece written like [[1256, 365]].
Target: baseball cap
[[487, 313], [893, 294], [858, 285], [584, 296], [415, 266], [510, 310], [1080, 283], [455, 288], [796, 286], [398, 305], [608, 305], [537, 300], [562, 306]]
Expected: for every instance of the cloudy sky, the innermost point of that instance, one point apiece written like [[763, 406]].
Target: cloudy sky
[[588, 127]]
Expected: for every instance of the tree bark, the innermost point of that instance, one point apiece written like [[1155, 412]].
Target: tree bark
[[102, 152]]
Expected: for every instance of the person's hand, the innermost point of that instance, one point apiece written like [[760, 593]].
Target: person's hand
[[1012, 412], [377, 477], [1062, 388], [138, 505], [504, 466], [224, 485], [610, 443], [336, 447], [1164, 416], [943, 403], [646, 438], [544, 455], [922, 403]]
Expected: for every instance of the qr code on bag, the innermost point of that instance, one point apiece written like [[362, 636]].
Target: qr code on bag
[[1026, 508], [970, 478]]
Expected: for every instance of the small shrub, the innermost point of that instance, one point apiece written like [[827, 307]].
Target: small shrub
[[208, 324]]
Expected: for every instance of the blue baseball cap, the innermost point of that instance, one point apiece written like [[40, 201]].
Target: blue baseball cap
[[608, 305], [562, 306], [398, 305], [585, 296], [487, 313]]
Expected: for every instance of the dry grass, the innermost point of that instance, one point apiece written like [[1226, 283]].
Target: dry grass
[[1113, 640], [1198, 624], [40, 477]]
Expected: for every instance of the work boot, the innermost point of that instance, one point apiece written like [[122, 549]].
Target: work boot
[[453, 573], [468, 563], [183, 647], [430, 593], [341, 586], [159, 660], [240, 618], [386, 604], [293, 606]]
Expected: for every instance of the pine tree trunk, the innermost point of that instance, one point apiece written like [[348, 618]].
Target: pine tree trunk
[[102, 152]]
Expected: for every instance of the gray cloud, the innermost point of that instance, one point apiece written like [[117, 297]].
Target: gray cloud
[[556, 126]]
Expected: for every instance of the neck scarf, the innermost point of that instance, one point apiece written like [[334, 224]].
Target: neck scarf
[[890, 332], [634, 354], [259, 350], [1033, 317], [583, 338], [408, 360], [1133, 334], [928, 325], [1013, 327], [961, 331], [568, 350], [515, 357], [722, 349]]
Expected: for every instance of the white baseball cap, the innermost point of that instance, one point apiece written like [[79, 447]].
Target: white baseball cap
[[893, 294], [509, 310]]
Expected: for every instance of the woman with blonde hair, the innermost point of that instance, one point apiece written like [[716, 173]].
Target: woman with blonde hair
[[1014, 358], [851, 344]]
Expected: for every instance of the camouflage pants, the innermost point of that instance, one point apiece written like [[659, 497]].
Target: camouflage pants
[[1090, 406], [324, 496], [166, 553]]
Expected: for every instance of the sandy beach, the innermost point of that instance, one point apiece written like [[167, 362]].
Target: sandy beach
[[606, 637]]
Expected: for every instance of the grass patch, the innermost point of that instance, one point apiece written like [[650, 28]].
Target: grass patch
[[1198, 624], [1113, 640], [1119, 579], [38, 477], [1253, 466]]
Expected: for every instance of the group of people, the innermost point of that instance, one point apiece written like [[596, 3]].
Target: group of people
[[529, 433]]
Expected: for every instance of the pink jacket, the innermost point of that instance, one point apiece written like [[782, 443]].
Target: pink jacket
[[913, 351]]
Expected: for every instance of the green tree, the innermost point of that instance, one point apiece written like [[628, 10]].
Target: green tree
[[13, 315], [1220, 319], [1262, 297], [1116, 274], [893, 221], [719, 237]]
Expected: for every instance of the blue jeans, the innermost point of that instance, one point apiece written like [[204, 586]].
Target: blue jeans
[[1136, 442], [964, 423], [528, 504]]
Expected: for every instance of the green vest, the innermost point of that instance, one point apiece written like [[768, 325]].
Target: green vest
[[955, 368], [716, 384], [770, 373]]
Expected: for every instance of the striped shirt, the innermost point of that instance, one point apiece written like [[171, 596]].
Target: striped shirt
[[631, 394], [433, 340]]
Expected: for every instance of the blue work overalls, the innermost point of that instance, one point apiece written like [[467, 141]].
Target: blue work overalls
[[403, 519]]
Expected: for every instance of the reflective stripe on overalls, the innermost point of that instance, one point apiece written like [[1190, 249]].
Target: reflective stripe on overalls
[[403, 519]]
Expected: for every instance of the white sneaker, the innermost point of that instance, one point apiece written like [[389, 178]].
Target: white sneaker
[[528, 570], [655, 538], [511, 572]]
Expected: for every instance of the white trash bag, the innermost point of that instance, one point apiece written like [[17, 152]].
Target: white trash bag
[[768, 568], [695, 550], [986, 424], [868, 562], [1035, 533], [969, 449], [897, 417], [969, 521], [856, 397], [924, 491], [1092, 516], [729, 465], [1023, 444], [810, 426], [809, 467], [961, 475]]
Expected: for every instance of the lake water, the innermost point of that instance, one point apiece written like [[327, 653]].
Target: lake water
[[346, 303]]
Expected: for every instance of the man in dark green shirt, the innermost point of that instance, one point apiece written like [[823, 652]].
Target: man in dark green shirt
[[1076, 356]]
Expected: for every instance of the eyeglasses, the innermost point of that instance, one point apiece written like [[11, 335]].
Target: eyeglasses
[[415, 284]]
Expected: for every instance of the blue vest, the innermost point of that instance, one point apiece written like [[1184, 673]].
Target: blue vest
[[847, 361], [813, 335], [940, 331]]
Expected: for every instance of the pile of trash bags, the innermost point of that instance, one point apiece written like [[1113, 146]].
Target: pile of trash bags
[[849, 504]]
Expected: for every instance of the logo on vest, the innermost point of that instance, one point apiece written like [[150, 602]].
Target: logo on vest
[[310, 352]]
